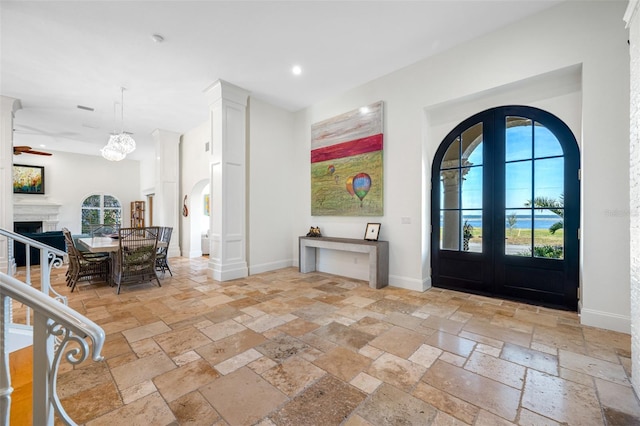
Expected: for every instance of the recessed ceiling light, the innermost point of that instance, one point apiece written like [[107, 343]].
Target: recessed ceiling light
[[42, 145], [157, 38], [296, 70]]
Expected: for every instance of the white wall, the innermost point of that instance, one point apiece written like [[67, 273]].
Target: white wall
[[270, 188], [632, 17], [70, 178], [585, 36]]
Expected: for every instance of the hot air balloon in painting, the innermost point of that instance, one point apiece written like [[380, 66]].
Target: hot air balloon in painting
[[331, 169], [361, 185], [350, 186]]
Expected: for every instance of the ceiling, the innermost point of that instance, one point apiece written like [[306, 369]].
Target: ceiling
[[58, 55]]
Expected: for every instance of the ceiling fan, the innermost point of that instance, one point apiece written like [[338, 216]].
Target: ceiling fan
[[17, 150]]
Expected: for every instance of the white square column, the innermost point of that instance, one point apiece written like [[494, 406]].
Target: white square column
[[167, 196], [227, 111], [8, 107]]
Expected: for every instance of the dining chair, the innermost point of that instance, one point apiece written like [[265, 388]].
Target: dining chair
[[161, 255], [135, 260], [83, 265]]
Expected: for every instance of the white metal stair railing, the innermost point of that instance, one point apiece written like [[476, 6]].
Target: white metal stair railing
[[50, 257], [59, 331]]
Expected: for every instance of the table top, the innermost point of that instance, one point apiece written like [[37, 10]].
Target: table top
[[105, 244]]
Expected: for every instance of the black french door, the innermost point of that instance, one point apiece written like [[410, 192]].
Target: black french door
[[505, 205]]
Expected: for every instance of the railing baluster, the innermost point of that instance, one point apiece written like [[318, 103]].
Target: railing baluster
[[5, 376]]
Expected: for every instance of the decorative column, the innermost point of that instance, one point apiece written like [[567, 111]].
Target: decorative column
[[452, 183], [8, 107], [632, 18], [227, 110], [166, 201]]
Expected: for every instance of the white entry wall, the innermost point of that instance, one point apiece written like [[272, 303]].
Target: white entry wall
[[585, 39]]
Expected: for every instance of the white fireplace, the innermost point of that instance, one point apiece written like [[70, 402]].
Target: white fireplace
[[41, 210]]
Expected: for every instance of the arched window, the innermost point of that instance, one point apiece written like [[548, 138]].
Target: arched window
[[100, 209]]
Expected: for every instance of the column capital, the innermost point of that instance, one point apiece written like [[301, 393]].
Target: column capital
[[222, 90], [10, 104], [165, 135]]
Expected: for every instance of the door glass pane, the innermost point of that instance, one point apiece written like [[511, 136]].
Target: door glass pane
[[472, 145], [517, 232], [472, 231], [545, 143], [518, 139], [451, 158], [472, 188], [518, 184], [450, 230], [549, 233], [449, 189], [549, 182]]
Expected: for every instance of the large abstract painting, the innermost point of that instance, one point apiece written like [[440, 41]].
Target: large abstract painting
[[346, 164]]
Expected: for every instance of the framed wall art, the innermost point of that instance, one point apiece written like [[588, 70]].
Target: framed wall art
[[28, 179], [346, 163], [372, 232]]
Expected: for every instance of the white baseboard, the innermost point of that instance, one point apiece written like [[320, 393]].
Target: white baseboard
[[270, 266], [410, 283], [605, 320]]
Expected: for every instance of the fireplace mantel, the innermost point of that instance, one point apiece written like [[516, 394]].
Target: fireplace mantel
[[32, 210]]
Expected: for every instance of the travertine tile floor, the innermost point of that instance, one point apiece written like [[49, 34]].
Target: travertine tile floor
[[286, 348]]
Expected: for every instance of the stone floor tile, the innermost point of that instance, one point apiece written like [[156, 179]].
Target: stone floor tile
[[231, 346], [146, 331], [497, 369], [446, 402], [343, 363], [529, 418], [451, 343], [281, 348], [344, 336], [371, 326], [180, 381], [292, 375], [262, 364], [444, 419], [327, 402], [298, 327], [486, 418], [138, 391], [228, 393], [425, 355], [593, 367], [453, 359], [150, 410], [365, 382], [222, 329], [579, 404], [238, 361], [370, 352], [92, 402], [182, 340], [145, 347], [186, 358], [193, 410], [390, 406], [356, 420], [530, 358], [142, 369], [396, 371], [398, 341], [619, 402], [485, 393]]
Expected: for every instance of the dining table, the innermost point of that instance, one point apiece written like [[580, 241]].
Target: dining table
[[105, 244]]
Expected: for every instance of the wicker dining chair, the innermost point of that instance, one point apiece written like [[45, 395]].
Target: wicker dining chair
[[135, 261], [161, 256], [84, 266]]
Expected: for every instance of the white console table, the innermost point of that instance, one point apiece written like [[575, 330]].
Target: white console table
[[378, 255]]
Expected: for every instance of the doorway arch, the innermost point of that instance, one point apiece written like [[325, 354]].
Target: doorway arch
[[505, 205]]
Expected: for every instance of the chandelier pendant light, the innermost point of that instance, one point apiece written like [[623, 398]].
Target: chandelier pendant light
[[120, 144]]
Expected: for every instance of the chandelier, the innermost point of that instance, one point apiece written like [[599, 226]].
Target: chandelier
[[120, 144]]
